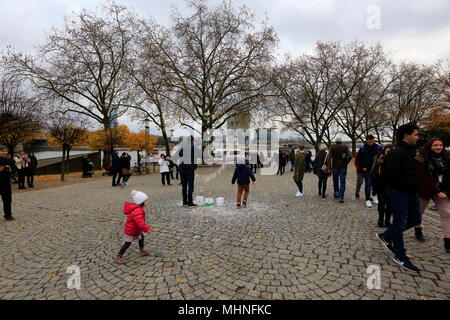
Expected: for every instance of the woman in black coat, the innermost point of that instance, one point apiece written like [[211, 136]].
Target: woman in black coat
[[320, 170], [32, 165]]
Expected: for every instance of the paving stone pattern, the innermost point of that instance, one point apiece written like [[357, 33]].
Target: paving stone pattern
[[280, 247]]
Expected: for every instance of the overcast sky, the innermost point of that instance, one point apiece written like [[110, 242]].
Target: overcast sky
[[410, 29]]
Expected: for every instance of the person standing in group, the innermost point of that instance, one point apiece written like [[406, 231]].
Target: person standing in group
[[281, 162], [402, 184], [433, 168], [164, 170], [308, 161], [7, 165], [337, 161], [172, 165], [116, 168], [292, 158], [321, 170], [135, 225], [32, 165], [379, 186], [243, 173], [366, 155], [189, 154], [22, 162], [299, 169], [359, 177], [85, 166], [125, 164]]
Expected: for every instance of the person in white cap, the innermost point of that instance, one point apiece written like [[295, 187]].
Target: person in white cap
[[135, 226]]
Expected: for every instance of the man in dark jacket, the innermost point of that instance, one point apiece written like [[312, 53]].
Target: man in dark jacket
[[189, 154], [7, 165], [116, 168], [366, 155], [402, 186], [338, 159]]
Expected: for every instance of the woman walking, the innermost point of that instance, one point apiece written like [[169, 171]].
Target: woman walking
[[125, 163], [379, 187], [32, 165], [299, 169], [321, 171], [433, 169]]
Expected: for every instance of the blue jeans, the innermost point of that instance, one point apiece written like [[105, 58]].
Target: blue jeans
[[339, 176], [367, 184], [405, 208]]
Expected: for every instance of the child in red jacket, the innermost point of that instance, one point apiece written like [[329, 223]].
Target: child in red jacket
[[135, 226]]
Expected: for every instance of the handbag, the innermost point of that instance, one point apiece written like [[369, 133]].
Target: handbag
[[126, 171]]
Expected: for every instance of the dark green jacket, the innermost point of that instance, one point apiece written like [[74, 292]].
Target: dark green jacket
[[299, 166]]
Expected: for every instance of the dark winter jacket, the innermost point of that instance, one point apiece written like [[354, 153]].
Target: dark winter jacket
[[378, 175], [116, 166], [6, 174], [243, 174], [429, 185], [401, 171], [33, 163], [191, 165], [125, 162], [281, 158], [299, 166], [319, 162], [366, 155], [339, 156]]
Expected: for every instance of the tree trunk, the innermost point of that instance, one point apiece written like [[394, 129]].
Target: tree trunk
[[11, 150], [166, 141], [63, 162], [354, 146]]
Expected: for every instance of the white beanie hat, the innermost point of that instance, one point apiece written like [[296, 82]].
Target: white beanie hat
[[138, 197]]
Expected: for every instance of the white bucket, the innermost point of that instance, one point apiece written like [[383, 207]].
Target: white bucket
[[199, 200], [220, 202]]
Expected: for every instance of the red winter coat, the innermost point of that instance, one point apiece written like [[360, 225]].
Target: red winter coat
[[135, 223]]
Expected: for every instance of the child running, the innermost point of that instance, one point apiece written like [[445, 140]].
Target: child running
[[243, 174], [135, 226]]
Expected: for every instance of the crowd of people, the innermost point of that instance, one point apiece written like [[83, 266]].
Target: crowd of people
[[400, 179]]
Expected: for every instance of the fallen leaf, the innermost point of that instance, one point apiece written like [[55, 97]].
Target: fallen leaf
[[107, 290], [173, 243], [178, 280], [423, 298], [447, 273], [128, 297]]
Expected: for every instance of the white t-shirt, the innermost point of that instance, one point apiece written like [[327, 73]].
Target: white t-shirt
[[163, 166]]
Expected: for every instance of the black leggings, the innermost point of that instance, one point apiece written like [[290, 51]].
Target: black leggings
[[322, 185], [384, 210], [167, 177], [126, 245]]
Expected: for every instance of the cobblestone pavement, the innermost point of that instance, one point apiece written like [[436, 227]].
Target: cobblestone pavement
[[280, 247]]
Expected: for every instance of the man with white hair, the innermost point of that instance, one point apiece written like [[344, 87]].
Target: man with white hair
[[337, 161]]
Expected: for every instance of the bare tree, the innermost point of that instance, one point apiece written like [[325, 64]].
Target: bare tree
[[83, 65], [215, 62], [414, 94], [19, 111], [65, 131], [312, 90], [359, 114]]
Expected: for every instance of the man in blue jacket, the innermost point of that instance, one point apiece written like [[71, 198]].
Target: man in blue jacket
[[366, 156]]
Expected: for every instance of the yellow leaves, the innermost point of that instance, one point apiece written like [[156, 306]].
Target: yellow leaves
[[424, 298], [178, 280], [107, 290], [128, 297], [21, 227], [447, 273], [52, 274], [173, 243]]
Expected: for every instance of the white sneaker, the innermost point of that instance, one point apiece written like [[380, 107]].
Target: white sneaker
[[298, 194], [375, 199], [368, 204]]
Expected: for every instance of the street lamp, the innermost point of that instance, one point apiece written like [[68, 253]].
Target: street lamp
[[147, 136]]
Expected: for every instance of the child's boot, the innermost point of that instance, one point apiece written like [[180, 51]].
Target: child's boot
[[144, 252], [238, 205], [119, 259]]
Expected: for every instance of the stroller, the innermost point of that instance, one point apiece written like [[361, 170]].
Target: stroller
[[89, 173]]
